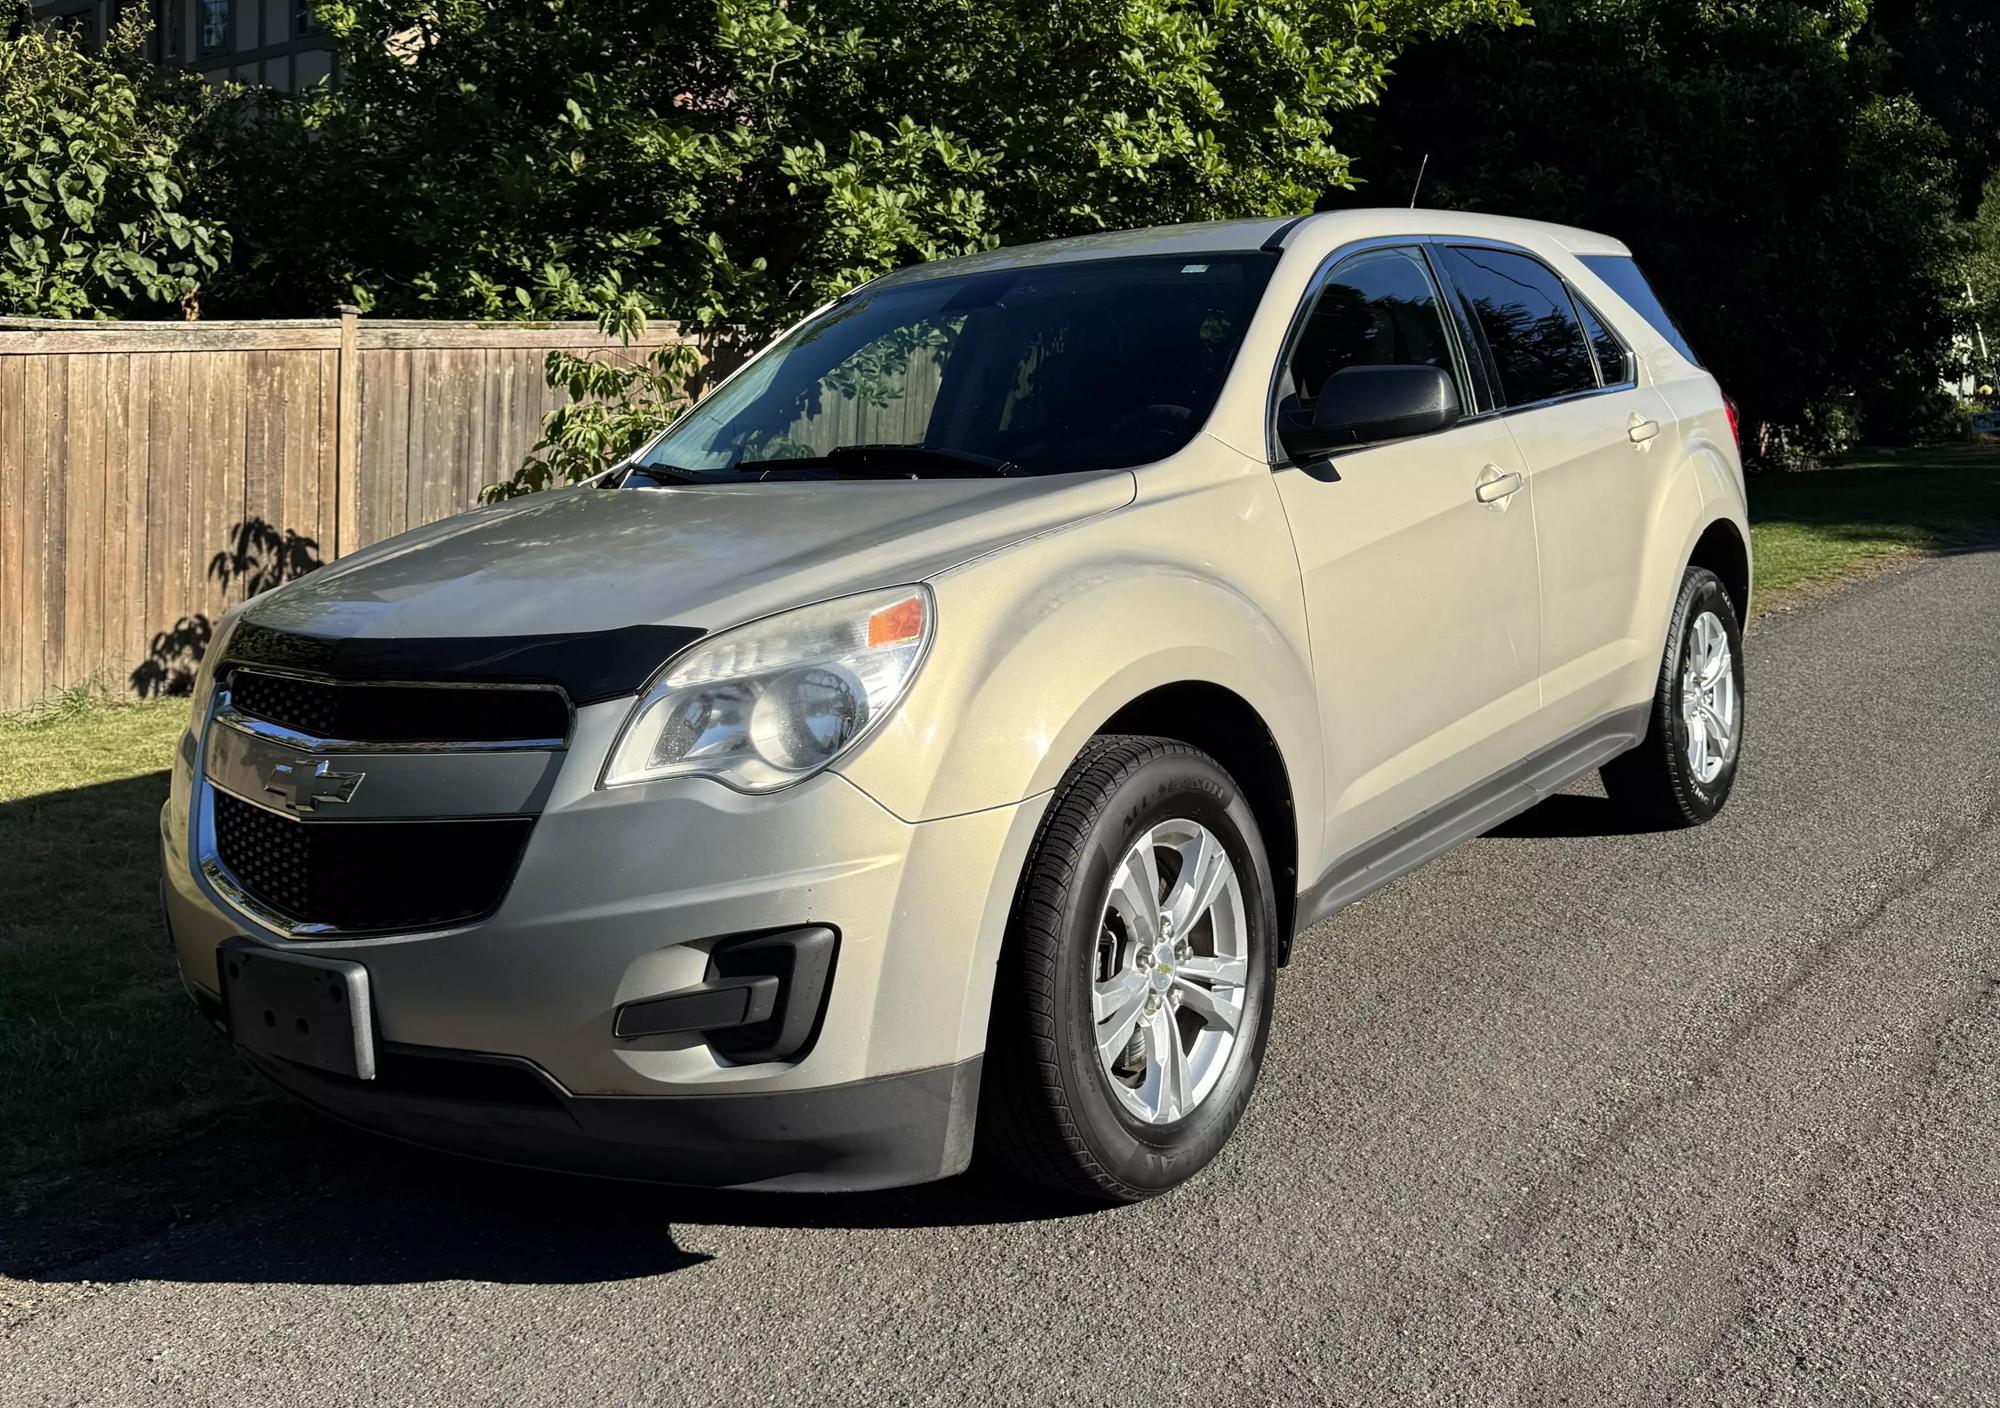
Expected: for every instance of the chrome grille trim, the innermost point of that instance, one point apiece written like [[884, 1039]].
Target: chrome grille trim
[[229, 716]]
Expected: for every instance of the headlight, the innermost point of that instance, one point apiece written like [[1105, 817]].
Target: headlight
[[773, 702]]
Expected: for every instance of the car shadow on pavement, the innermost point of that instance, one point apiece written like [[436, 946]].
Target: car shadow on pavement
[[1571, 814], [288, 1198], [133, 1144], [201, 1174]]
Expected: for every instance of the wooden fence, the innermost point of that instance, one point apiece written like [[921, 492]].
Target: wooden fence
[[152, 474]]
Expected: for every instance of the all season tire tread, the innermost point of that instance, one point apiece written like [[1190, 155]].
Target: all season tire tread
[[1029, 1123], [1649, 784]]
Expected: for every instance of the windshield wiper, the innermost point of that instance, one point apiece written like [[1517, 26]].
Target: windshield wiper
[[917, 457], [659, 474], [886, 460]]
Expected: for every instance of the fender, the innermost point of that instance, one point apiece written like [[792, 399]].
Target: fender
[[1051, 638], [1707, 467], [1042, 643]]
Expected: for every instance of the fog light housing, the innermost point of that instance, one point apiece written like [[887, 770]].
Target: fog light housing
[[762, 999]]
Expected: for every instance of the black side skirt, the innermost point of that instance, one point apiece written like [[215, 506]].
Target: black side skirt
[[1471, 813]]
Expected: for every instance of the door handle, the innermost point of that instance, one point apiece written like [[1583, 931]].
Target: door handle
[[1640, 429], [1492, 491]]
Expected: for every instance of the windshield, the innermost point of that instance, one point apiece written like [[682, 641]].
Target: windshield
[[1035, 370]]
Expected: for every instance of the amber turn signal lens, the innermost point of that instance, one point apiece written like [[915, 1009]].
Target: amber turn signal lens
[[893, 625]]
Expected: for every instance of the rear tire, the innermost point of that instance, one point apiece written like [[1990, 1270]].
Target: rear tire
[[1128, 1029], [1683, 772]]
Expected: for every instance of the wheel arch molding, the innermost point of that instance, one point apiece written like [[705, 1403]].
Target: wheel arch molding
[[1721, 547], [1224, 725]]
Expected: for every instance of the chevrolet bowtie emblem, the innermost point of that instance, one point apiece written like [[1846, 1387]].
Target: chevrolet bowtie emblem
[[306, 782]]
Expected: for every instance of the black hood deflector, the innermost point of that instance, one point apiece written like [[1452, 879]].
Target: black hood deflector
[[590, 666]]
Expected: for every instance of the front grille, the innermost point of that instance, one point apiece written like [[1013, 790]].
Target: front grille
[[400, 713], [368, 875]]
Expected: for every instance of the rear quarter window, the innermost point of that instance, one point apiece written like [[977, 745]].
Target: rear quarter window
[[1614, 363], [1622, 272]]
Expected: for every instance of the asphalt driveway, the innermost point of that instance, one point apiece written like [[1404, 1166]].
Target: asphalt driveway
[[1567, 1116]]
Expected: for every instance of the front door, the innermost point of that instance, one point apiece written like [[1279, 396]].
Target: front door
[[1418, 559]]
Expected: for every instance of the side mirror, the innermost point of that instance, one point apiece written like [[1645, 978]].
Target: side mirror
[[1363, 405]]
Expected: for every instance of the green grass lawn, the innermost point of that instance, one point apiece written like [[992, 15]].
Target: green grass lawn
[[101, 1054], [1817, 526], [102, 1059]]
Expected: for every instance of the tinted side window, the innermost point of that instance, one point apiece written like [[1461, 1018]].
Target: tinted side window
[[1623, 274], [1379, 308], [1614, 362], [1529, 322]]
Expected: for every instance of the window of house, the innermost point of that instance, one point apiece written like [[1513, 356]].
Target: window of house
[[170, 17], [80, 21], [215, 20], [1529, 323]]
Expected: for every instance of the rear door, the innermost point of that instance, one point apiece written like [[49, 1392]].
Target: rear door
[[1421, 599], [1593, 441]]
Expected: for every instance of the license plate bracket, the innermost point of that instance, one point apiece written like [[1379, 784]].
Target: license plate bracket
[[298, 1007]]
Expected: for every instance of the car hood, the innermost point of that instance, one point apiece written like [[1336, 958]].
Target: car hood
[[704, 556]]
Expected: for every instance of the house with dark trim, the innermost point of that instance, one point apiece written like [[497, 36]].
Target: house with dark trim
[[276, 43]]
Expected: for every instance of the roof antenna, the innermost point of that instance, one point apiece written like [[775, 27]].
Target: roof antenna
[[1424, 166]]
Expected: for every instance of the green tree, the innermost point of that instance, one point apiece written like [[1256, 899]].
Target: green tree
[[743, 160], [1946, 55], [1982, 282], [739, 162], [1799, 221], [92, 190]]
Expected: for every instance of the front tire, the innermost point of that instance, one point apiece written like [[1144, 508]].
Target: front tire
[[1683, 772], [1134, 993]]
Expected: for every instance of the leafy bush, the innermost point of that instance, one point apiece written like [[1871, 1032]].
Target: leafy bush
[[616, 405], [91, 189], [1982, 284]]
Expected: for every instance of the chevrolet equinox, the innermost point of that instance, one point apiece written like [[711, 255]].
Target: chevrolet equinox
[[938, 735]]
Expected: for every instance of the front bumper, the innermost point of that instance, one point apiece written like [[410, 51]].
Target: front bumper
[[880, 1133], [619, 896]]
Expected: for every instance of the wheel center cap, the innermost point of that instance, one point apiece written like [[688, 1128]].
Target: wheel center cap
[[1162, 974]]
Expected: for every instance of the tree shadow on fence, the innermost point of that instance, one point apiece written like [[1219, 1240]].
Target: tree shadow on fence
[[259, 556]]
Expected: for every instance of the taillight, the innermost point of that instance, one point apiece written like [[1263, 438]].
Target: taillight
[[1735, 422]]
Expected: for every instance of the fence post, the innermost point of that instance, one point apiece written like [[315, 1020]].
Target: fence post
[[347, 435]]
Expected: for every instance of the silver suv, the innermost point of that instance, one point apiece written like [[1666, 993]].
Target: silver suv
[[939, 735]]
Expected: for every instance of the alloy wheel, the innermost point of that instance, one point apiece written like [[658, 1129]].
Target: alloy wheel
[[1172, 971], [1710, 702]]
